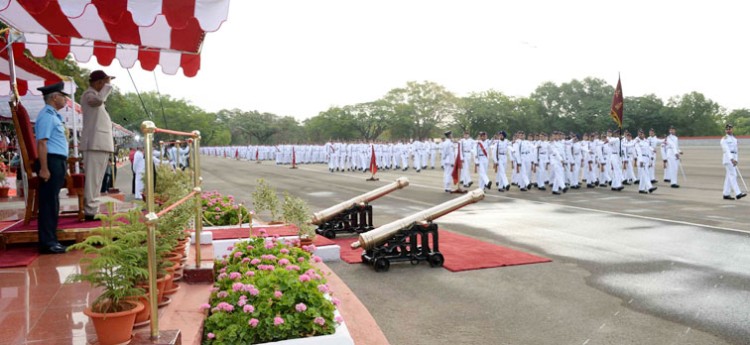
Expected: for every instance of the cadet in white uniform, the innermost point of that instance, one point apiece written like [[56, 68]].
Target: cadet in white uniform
[[466, 145], [673, 157], [500, 154], [729, 158], [644, 158], [447, 159], [481, 159]]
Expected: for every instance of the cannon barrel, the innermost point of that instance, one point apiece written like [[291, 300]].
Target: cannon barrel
[[370, 239], [323, 216]]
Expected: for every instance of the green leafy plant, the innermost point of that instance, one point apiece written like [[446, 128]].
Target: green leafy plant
[[265, 199], [222, 210], [267, 291], [3, 179], [113, 264], [296, 211]]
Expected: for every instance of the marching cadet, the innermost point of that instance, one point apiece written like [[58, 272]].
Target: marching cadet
[[331, 156], [628, 159], [481, 159], [500, 155], [556, 157], [654, 142], [405, 156], [729, 158], [615, 164], [434, 150], [673, 156], [524, 159], [588, 163], [542, 152], [466, 145], [644, 158], [604, 153], [575, 168], [447, 159]]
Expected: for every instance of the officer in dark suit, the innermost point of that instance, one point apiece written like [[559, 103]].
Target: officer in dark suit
[[52, 145]]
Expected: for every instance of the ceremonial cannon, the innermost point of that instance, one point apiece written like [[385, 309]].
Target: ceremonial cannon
[[413, 239], [353, 215]]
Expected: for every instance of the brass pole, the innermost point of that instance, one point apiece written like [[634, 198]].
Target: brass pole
[[148, 128], [197, 179]]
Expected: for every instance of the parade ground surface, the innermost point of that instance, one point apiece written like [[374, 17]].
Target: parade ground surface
[[664, 268]]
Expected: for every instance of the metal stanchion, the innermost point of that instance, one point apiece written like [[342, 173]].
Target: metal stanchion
[[196, 164], [148, 128]]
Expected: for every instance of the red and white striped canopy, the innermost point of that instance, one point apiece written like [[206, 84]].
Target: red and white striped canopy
[[168, 33], [29, 74]]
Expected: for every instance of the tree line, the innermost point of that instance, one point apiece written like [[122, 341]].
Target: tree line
[[426, 109]]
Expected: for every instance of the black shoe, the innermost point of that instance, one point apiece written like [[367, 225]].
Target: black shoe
[[642, 192], [616, 189], [489, 185], [565, 190], [447, 190], [418, 170], [727, 197], [626, 183], [523, 189], [589, 186], [56, 249], [470, 183], [675, 186], [637, 182], [667, 180], [501, 190], [654, 181], [542, 188], [89, 217], [497, 184], [740, 196], [507, 187], [652, 189], [556, 193]]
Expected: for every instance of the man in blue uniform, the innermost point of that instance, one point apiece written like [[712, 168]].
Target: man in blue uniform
[[52, 145]]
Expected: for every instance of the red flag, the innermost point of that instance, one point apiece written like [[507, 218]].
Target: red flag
[[457, 166], [373, 164], [256, 154], [294, 157], [616, 109], [236, 153]]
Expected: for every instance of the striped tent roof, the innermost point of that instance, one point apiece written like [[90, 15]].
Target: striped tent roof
[[168, 33]]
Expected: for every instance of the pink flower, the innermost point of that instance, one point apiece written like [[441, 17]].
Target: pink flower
[[304, 278], [217, 217], [237, 286], [292, 268], [255, 261], [211, 335], [205, 306], [217, 209], [319, 320], [317, 258], [250, 273], [300, 259], [245, 260], [270, 245], [300, 307], [235, 275], [253, 322], [283, 262], [248, 309], [335, 301], [323, 288], [237, 255], [250, 247], [284, 251], [338, 319], [222, 294], [241, 302], [225, 306], [278, 321], [277, 294]]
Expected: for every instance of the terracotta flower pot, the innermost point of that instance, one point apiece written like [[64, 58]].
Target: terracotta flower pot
[[114, 328], [142, 318], [4, 190]]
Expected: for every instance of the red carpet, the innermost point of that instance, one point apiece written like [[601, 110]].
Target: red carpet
[[285, 230], [64, 223], [462, 253], [18, 257]]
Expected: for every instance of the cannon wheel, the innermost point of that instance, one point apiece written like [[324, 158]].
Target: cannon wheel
[[381, 265], [365, 260], [329, 234], [436, 259]]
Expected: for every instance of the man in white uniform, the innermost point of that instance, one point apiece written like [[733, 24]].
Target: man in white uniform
[[673, 156], [447, 159], [729, 158], [480, 153], [500, 154]]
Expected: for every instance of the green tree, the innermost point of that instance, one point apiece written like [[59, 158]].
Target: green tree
[[427, 105], [694, 114], [740, 119]]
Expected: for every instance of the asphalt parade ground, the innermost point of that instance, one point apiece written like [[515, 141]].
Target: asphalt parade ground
[[672, 267]]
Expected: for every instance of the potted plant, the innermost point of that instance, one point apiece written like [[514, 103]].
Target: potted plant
[[111, 264], [4, 186], [220, 210], [265, 198], [295, 211], [267, 291]]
